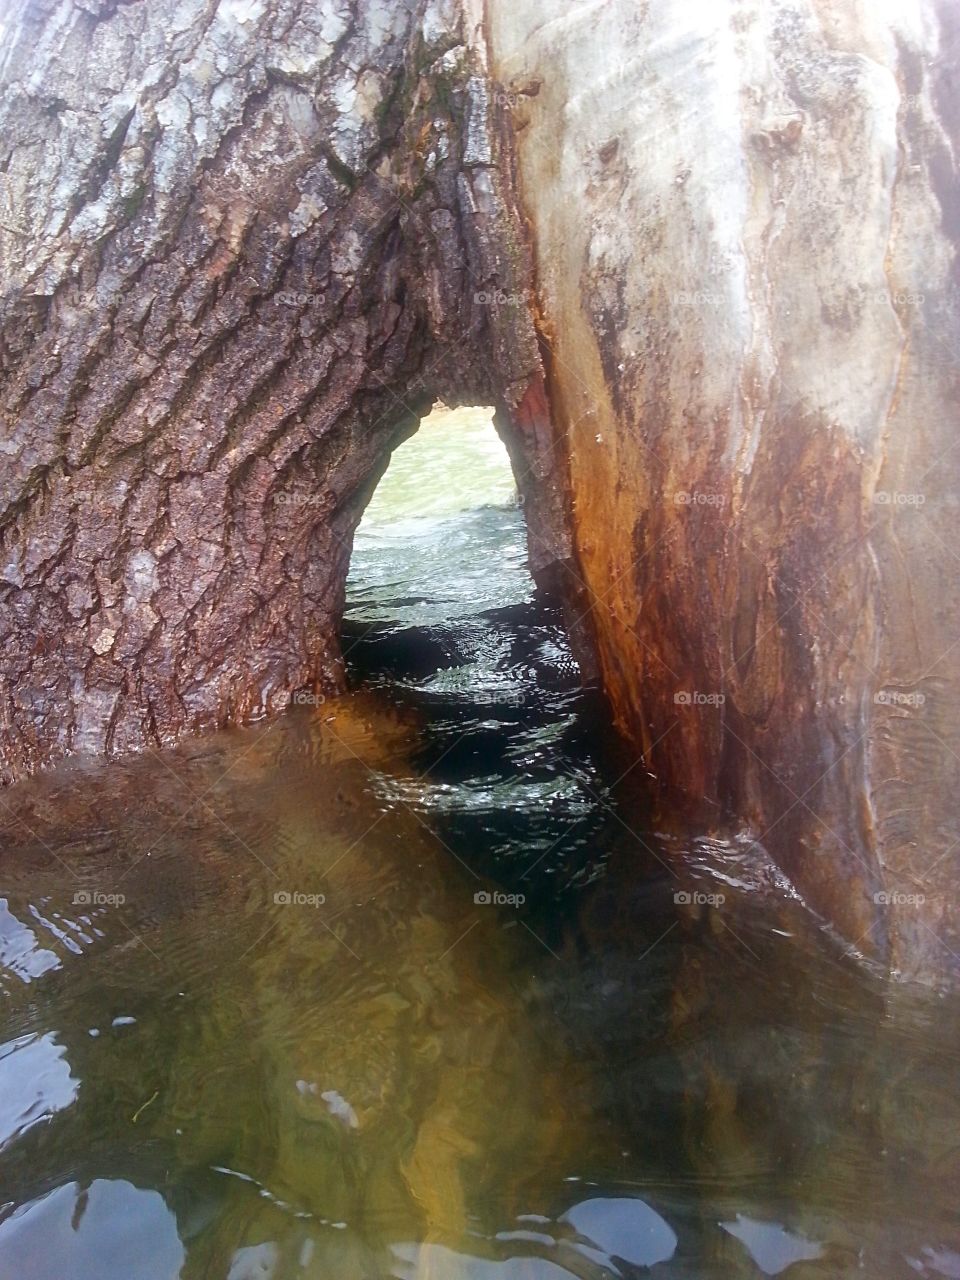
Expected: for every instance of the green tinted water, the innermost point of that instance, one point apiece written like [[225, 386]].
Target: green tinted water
[[265, 1015], [455, 462]]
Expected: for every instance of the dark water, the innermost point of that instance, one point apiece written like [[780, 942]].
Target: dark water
[[273, 1007]]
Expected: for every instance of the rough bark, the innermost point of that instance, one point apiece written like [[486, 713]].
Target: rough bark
[[242, 251], [746, 223]]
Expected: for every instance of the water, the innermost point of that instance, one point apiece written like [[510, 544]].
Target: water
[[259, 1023]]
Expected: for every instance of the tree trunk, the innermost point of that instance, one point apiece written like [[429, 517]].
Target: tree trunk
[[746, 222], [243, 252], [254, 240]]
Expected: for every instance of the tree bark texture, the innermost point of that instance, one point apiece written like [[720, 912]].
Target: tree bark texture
[[246, 243]]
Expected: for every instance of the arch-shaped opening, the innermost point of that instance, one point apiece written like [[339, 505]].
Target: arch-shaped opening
[[445, 518], [443, 615], [441, 543]]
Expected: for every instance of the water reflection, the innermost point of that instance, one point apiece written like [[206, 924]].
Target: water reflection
[[108, 1228], [771, 1247], [318, 1053], [617, 1230], [21, 955], [398, 1081], [35, 1083]]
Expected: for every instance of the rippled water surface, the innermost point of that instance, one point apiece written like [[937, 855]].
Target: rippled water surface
[[409, 984]]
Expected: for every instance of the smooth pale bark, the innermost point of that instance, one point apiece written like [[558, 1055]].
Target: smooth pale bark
[[746, 218]]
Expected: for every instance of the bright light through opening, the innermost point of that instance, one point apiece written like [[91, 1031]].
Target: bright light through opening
[[455, 462]]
